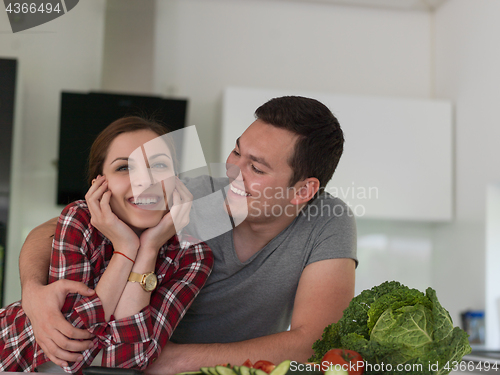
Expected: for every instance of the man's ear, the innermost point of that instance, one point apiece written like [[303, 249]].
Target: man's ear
[[305, 190]]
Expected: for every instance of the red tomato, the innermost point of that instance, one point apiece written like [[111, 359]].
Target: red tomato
[[348, 359], [248, 363], [265, 366]]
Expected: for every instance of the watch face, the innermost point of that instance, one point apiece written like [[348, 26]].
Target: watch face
[[150, 282]]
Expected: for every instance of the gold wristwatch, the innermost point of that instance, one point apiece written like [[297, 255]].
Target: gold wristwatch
[[148, 281]]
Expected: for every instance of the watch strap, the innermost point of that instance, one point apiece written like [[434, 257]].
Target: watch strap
[[136, 277]]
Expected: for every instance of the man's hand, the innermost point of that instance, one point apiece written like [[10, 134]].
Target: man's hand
[[58, 339], [167, 363]]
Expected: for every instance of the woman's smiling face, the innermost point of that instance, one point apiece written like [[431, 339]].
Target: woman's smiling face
[[140, 173]]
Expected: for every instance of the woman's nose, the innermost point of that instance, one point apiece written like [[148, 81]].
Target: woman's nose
[[141, 177]]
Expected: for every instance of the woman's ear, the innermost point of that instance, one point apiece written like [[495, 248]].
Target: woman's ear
[[305, 190]]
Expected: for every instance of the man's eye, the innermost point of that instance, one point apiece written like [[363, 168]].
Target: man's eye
[[236, 152], [257, 170]]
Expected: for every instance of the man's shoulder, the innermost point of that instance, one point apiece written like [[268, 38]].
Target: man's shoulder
[[326, 207]]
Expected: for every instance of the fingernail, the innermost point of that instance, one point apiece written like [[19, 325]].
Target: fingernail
[[91, 345], [80, 357], [64, 364]]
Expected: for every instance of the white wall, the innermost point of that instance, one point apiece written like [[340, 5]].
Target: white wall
[[467, 60], [129, 46], [64, 54], [203, 46]]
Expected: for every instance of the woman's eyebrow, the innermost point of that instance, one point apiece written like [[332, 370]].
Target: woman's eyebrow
[[121, 158], [131, 159], [158, 155]]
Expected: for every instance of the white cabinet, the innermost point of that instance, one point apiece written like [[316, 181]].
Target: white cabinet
[[397, 161]]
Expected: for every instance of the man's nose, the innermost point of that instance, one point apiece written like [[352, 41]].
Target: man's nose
[[233, 170]]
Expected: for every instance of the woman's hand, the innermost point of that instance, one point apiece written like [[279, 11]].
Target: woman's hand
[[106, 222], [173, 222]]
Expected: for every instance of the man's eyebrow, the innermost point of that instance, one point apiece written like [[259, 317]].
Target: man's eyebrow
[[255, 158]]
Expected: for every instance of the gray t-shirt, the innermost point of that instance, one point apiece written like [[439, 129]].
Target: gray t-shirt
[[244, 300]]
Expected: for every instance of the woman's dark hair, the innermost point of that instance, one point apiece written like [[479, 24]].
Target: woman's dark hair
[[320, 139], [100, 147]]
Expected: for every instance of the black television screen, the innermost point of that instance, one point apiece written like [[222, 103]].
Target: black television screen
[[84, 115]]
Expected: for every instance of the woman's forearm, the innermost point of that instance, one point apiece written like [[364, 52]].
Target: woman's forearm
[[34, 259], [114, 279], [134, 298]]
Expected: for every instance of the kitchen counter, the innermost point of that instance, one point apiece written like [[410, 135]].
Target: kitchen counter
[[472, 362]]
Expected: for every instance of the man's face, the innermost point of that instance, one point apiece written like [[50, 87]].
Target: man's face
[[262, 153]]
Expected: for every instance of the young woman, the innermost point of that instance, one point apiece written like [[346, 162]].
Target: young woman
[[121, 242]]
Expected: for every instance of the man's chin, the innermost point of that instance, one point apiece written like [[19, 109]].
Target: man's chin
[[238, 213]]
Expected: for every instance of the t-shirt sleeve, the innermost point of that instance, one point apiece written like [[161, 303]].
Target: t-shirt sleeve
[[335, 236]]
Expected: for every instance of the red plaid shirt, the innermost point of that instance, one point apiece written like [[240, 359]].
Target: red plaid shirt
[[81, 253]]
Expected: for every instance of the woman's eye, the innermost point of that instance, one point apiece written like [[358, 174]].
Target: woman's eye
[[123, 168], [236, 152], [159, 166]]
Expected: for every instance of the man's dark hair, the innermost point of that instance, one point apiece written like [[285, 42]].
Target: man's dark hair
[[320, 139]]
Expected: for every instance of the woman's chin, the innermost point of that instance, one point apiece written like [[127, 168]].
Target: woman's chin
[[139, 227]]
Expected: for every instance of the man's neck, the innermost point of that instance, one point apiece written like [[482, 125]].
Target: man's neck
[[251, 237]]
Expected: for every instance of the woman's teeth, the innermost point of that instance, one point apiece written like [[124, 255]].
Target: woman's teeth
[[144, 201], [238, 191]]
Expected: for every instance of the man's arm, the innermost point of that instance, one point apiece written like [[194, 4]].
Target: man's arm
[[42, 303], [34, 259], [325, 290]]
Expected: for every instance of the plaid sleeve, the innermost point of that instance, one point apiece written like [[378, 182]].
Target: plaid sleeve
[[137, 340], [71, 253]]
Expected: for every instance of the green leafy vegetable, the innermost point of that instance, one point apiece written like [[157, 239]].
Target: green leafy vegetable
[[397, 330]]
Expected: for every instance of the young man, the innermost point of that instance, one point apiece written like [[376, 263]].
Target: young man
[[280, 277]]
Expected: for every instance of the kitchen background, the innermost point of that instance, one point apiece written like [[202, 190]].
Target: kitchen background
[[195, 49]]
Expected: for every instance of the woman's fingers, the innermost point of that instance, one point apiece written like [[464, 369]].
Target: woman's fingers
[[181, 209], [105, 206], [96, 184], [95, 194], [184, 192]]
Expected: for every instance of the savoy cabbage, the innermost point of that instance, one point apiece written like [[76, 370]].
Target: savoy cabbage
[[393, 325]]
